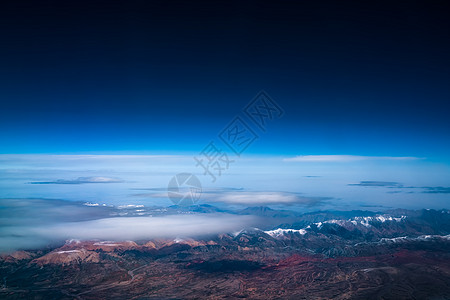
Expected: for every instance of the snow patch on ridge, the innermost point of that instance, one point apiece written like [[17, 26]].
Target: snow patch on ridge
[[364, 221], [280, 232]]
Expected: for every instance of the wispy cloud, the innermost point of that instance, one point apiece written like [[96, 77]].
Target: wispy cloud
[[378, 184], [344, 158], [81, 180], [402, 188], [436, 190]]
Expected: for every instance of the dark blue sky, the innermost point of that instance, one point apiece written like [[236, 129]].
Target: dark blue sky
[[167, 76]]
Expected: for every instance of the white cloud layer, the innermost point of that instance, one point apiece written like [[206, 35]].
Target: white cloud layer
[[264, 198], [141, 228], [121, 229], [35, 223], [249, 198]]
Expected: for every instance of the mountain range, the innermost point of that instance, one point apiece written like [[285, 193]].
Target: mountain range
[[397, 254]]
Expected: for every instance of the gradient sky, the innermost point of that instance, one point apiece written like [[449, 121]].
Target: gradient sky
[[103, 102], [165, 78]]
